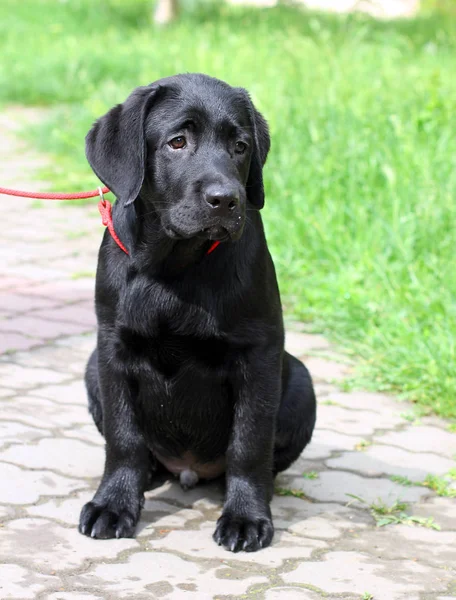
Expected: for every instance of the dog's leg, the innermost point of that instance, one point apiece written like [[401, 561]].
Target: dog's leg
[[297, 414], [93, 392], [246, 522], [115, 508]]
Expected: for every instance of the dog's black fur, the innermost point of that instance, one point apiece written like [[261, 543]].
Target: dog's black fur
[[190, 370]]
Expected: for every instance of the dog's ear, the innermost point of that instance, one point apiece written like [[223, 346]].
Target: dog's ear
[[261, 145], [116, 144]]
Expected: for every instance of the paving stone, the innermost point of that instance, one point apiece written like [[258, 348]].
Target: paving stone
[[326, 370], [422, 439], [25, 487], [6, 393], [29, 271], [328, 525], [71, 457], [60, 548], [8, 283], [66, 290], [201, 545], [291, 593], [333, 486], [355, 422], [368, 401], [356, 573], [323, 390], [61, 358], [162, 573], [15, 341], [71, 393], [85, 433], [171, 491], [6, 512], [42, 328], [443, 510], [299, 344], [83, 344], [389, 460], [21, 303], [427, 546], [18, 583], [65, 510], [71, 313], [73, 596], [17, 433], [325, 442], [19, 377], [158, 515], [42, 413]]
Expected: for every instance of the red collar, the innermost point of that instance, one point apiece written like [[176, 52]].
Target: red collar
[[105, 208]]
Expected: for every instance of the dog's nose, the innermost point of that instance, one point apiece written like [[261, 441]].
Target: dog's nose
[[222, 199]]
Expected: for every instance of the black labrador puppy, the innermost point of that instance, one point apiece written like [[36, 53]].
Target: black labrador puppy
[[190, 373]]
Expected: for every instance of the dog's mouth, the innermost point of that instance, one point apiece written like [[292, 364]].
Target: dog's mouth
[[215, 234]]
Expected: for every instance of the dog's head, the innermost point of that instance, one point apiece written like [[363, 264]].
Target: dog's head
[[192, 146]]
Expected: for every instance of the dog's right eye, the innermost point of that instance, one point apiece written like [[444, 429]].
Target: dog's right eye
[[178, 143]]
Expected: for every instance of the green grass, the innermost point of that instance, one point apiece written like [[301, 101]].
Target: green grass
[[361, 179], [394, 514]]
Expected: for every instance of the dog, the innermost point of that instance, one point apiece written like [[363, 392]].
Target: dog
[[190, 375]]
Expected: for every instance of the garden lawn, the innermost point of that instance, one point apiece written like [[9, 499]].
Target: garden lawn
[[361, 178]]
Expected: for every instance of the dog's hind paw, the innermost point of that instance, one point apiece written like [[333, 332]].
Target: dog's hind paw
[[188, 479]]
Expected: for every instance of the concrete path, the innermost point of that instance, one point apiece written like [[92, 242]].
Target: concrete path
[[327, 543]]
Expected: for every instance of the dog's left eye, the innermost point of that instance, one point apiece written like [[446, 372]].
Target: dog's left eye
[[178, 143], [240, 147]]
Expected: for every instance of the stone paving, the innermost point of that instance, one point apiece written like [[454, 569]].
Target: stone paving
[[327, 543]]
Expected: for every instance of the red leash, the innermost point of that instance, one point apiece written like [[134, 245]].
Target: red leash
[[104, 206], [53, 196]]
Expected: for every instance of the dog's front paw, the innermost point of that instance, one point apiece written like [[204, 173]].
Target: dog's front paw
[[103, 522], [249, 533]]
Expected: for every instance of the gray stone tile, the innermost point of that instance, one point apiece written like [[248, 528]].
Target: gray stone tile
[[70, 393], [166, 575], [65, 510], [422, 439], [356, 573], [25, 487], [86, 433], [333, 486], [405, 542], [67, 456], [73, 596], [200, 545], [157, 515], [62, 358], [443, 510], [325, 442], [60, 548], [355, 422], [42, 413], [368, 401], [6, 512], [17, 433], [171, 491], [299, 344], [291, 593], [19, 583], [389, 460], [326, 370], [6, 392], [17, 377]]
